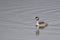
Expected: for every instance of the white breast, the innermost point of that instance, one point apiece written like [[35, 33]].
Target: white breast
[[37, 23]]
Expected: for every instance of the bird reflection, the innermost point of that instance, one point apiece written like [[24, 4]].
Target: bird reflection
[[37, 32]]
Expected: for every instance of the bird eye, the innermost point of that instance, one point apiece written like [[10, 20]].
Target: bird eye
[[36, 17]]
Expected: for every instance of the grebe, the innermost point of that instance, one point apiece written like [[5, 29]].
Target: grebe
[[40, 24]]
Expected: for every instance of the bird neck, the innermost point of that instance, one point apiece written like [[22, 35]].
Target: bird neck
[[37, 22]]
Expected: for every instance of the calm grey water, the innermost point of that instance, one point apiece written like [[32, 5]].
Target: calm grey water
[[17, 19]]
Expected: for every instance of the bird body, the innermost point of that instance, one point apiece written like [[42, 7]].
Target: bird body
[[40, 24]]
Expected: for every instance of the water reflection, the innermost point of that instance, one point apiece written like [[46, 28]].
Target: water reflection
[[38, 30]]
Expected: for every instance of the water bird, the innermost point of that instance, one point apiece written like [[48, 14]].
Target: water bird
[[40, 24]]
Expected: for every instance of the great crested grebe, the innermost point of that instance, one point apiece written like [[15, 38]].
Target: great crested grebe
[[40, 24]]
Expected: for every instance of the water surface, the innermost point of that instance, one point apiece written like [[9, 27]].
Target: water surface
[[17, 19]]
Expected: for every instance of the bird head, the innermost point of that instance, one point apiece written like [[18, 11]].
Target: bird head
[[37, 18]]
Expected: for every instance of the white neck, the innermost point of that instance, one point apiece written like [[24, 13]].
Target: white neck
[[37, 22]]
